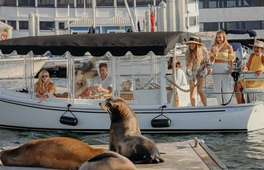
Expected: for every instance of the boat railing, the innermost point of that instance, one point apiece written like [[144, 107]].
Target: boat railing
[[251, 94]]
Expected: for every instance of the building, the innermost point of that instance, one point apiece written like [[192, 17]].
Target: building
[[78, 16], [232, 14]]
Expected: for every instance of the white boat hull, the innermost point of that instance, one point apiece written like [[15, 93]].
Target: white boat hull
[[26, 113], [14, 67]]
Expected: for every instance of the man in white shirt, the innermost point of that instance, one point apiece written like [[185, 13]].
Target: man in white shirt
[[103, 82], [180, 81]]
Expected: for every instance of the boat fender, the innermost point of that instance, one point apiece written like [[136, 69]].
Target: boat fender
[[67, 120], [161, 122]]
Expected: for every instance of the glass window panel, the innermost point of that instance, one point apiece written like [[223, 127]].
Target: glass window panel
[[203, 4], [12, 24], [234, 25], [23, 25], [61, 25], [214, 26], [192, 21], [105, 3], [144, 2], [120, 3], [29, 3], [65, 3], [252, 24], [47, 25], [80, 3], [46, 3], [9, 2]]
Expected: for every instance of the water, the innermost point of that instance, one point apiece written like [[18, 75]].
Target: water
[[243, 151]]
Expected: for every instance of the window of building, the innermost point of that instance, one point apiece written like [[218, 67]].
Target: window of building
[[26, 3], [12, 24], [145, 3], [192, 21], [65, 3], [233, 25], [8, 2], [120, 3], [47, 25], [105, 3], [80, 3], [253, 25], [61, 25], [23, 25], [46, 3]]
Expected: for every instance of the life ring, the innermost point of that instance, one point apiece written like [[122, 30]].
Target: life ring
[[4, 36]]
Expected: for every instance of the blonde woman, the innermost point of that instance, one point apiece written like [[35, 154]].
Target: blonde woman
[[43, 88], [197, 67], [255, 64], [223, 58]]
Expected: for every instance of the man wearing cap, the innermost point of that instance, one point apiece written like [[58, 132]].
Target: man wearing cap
[[256, 64]]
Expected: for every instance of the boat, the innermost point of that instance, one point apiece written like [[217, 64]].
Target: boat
[[145, 91], [12, 65]]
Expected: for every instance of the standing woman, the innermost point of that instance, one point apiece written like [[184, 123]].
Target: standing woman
[[43, 87], [223, 58], [197, 67]]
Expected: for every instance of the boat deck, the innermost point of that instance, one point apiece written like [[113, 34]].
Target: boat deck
[[177, 156]]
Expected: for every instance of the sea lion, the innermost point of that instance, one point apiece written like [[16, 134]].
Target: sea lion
[[125, 136], [108, 160], [56, 153]]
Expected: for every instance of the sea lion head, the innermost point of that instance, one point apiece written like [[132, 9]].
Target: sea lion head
[[117, 108]]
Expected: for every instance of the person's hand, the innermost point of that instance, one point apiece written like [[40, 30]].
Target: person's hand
[[230, 70], [258, 74], [245, 68], [209, 72]]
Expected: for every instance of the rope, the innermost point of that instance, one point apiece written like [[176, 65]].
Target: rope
[[208, 82], [184, 90]]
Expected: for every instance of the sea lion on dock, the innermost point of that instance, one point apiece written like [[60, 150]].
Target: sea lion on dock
[[56, 153], [108, 160], [125, 136]]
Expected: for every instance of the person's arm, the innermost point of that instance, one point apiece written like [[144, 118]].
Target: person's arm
[[231, 58], [249, 62]]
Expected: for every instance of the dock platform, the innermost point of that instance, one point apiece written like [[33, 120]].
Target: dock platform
[[189, 155]]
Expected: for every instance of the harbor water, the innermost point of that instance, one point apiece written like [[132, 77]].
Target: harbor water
[[241, 151]]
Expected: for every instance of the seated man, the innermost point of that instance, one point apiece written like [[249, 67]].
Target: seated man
[[103, 82], [180, 81]]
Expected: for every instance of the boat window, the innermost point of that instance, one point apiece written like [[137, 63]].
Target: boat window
[[138, 79]]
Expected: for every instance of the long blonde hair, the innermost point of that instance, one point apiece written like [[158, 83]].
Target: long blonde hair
[[39, 84], [221, 32], [191, 59]]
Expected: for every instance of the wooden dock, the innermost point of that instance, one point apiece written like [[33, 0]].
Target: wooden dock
[[177, 155]]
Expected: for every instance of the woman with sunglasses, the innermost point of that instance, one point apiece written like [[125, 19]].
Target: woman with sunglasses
[[43, 87]]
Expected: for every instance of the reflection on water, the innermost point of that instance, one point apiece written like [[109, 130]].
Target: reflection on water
[[235, 150]]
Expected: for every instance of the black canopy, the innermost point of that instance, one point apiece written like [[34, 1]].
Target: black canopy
[[118, 44]]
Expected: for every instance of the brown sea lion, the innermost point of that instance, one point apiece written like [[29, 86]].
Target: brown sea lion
[[108, 161], [56, 153], [125, 136]]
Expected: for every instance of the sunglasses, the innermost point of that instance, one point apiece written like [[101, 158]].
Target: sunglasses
[[45, 76]]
